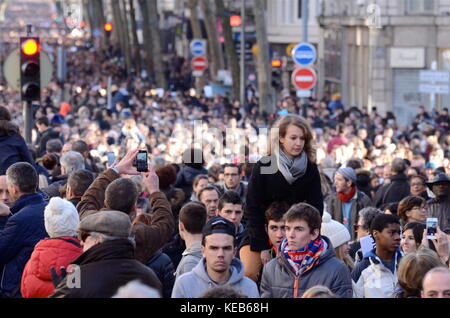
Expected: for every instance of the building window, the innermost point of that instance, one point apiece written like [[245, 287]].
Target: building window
[[300, 9], [420, 6]]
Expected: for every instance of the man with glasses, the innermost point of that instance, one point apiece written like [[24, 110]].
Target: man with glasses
[[218, 265], [107, 262], [232, 180]]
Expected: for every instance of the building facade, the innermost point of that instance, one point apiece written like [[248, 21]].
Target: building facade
[[372, 52]]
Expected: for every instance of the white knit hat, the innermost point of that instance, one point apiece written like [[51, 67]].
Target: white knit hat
[[335, 231], [61, 218]]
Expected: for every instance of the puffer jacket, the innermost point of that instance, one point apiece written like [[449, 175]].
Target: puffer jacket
[[161, 264], [23, 230], [371, 279], [197, 282], [279, 280], [53, 252]]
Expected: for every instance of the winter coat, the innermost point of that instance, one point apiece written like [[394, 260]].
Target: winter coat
[[46, 136], [149, 238], [104, 268], [334, 206], [371, 279], [263, 189], [395, 191], [197, 282], [161, 264], [439, 209], [190, 259], [13, 149], [174, 249], [279, 280], [53, 252], [185, 178], [23, 230]]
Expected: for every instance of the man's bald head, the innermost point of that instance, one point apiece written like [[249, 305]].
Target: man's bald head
[[436, 283]]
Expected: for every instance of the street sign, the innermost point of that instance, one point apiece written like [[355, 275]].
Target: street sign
[[199, 63], [304, 93], [304, 78], [435, 76], [11, 69], [434, 89], [197, 73], [198, 47], [304, 54]]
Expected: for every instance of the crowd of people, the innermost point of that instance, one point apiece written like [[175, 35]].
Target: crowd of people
[[334, 204]]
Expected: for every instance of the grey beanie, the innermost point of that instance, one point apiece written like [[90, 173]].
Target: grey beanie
[[348, 173]]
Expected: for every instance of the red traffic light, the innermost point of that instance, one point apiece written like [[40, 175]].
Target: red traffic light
[[108, 27], [30, 47], [235, 20], [276, 63]]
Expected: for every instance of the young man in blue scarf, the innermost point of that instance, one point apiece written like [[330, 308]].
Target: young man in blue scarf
[[305, 259]]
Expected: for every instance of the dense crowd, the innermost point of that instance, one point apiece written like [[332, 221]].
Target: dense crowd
[[343, 214]]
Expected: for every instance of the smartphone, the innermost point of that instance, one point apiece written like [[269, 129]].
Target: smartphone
[[142, 161], [111, 158], [432, 224]]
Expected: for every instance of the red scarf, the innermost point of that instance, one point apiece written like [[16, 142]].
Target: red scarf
[[347, 197]]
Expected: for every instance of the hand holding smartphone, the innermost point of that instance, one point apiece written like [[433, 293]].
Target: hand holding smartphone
[[432, 224], [141, 162]]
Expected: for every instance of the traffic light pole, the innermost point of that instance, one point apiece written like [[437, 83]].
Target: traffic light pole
[[28, 120]]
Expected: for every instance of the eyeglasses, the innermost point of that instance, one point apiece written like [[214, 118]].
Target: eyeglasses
[[230, 175]]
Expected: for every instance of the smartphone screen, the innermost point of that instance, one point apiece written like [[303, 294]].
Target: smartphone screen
[[142, 157], [432, 228], [111, 158]]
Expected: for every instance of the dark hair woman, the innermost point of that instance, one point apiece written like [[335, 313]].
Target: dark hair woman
[[289, 174], [12, 145]]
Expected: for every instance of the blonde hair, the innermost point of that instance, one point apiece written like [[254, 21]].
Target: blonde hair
[[318, 292], [412, 269], [339, 251], [284, 122]]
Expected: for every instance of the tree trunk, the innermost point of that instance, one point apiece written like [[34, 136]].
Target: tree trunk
[[117, 25], [157, 50], [136, 47], [230, 49], [147, 37], [266, 102], [127, 53], [99, 13], [215, 49], [197, 34]]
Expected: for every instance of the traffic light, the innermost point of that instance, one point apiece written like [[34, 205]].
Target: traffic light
[[108, 28], [276, 74], [30, 70]]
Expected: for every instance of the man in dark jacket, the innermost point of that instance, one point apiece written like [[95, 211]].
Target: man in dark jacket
[[46, 133], [305, 259], [24, 229], [192, 166], [439, 207], [348, 200], [111, 192], [397, 189], [107, 262]]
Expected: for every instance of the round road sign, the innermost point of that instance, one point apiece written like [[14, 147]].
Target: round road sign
[[199, 63], [304, 54], [304, 78]]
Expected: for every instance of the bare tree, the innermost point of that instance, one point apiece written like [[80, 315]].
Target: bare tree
[[143, 4], [136, 48], [157, 49], [230, 49], [215, 49], [266, 100]]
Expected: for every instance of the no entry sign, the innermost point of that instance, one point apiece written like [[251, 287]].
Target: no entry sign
[[199, 63], [304, 78]]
